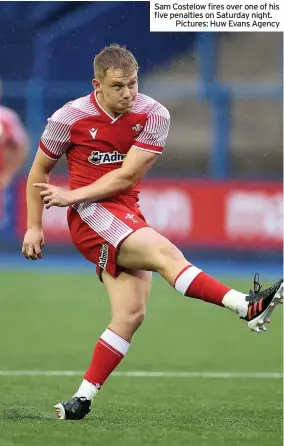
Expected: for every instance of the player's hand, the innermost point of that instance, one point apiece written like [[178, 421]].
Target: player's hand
[[54, 195], [33, 244]]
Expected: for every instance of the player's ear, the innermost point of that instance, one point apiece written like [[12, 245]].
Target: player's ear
[[96, 84]]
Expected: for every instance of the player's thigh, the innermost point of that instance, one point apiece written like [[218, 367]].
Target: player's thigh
[[148, 250], [128, 293]]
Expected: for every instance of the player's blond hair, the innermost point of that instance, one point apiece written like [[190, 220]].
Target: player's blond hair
[[114, 57]]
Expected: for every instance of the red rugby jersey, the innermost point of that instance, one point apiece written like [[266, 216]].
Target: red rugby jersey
[[96, 143], [12, 132]]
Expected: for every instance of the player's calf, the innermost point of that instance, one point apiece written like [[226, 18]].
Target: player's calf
[[195, 283]]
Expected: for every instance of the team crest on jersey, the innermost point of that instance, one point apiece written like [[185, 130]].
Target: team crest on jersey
[[106, 158], [137, 128]]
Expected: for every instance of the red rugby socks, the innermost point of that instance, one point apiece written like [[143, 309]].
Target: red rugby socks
[[193, 282], [109, 351]]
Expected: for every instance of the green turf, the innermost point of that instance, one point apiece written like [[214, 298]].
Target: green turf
[[51, 322]]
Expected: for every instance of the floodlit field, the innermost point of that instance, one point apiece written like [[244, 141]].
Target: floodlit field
[[50, 322]]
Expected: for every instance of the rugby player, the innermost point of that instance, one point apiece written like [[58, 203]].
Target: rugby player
[[13, 146], [111, 138]]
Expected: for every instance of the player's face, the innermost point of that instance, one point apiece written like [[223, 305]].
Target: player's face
[[117, 91]]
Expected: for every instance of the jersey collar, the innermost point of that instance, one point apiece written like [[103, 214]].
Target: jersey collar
[[101, 109]]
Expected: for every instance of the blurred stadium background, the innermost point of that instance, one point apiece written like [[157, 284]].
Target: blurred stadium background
[[216, 192], [220, 174]]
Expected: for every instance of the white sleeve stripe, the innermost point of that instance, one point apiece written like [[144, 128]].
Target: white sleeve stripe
[[186, 278], [147, 150], [53, 159]]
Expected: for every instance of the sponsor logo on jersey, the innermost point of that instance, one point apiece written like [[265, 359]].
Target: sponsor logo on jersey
[[104, 256], [106, 158], [137, 128], [93, 132]]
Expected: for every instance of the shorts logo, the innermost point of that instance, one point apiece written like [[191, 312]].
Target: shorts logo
[[106, 158], [131, 217], [104, 256]]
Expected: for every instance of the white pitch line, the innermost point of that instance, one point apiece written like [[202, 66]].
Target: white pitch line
[[140, 374]]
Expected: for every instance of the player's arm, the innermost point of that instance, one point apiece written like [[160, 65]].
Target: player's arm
[[39, 173], [134, 167], [34, 238], [54, 142]]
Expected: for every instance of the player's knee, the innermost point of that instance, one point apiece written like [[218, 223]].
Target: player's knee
[[136, 319], [131, 320], [167, 253]]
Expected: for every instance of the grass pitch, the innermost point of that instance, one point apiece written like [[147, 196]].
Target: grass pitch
[[52, 321]]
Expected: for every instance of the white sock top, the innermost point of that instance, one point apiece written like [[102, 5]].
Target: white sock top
[[236, 301]]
